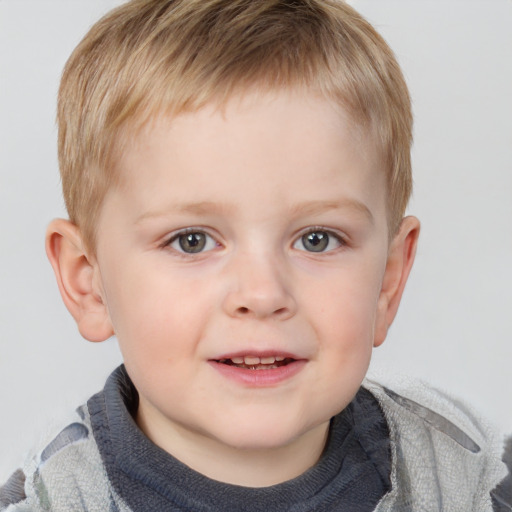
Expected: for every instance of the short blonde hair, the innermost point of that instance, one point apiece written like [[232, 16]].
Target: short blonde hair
[[152, 57]]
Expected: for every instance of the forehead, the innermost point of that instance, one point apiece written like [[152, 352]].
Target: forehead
[[291, 142]]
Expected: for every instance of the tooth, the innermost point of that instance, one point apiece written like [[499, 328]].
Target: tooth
[[280, 358], [251, 360], [237, 360], [268, 360]]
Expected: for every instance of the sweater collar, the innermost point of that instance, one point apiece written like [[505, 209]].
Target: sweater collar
[[148, 478]]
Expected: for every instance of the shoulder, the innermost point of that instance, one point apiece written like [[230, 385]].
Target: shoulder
[[63, 474], [443, 453], [13, 491], [420, 405]]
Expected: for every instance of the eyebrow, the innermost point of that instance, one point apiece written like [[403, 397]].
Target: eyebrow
[[318, 207], [200, 208], [303, 209]]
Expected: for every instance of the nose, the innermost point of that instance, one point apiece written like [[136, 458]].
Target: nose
[[258, 289]]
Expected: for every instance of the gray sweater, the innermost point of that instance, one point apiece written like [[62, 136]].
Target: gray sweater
[[416, 451]]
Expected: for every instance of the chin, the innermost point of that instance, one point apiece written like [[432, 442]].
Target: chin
[[261, 436]]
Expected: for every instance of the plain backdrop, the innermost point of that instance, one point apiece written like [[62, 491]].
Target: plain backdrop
[[454, 326]]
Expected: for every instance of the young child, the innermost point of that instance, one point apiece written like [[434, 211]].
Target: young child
[[236, 174]]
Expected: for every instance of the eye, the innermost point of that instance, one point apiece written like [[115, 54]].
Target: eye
[[318, 240], [192, 242]]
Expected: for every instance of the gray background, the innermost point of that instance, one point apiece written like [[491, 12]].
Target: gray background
[[454, 327]]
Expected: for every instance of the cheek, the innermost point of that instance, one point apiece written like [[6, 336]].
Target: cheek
[[344, 306], [156, 313]]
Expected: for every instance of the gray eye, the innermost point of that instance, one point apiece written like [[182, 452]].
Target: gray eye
[[316, 241], [192, 242]]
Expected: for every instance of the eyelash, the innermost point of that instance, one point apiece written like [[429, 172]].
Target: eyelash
[[341, 240], [189, 231], [321, 242]]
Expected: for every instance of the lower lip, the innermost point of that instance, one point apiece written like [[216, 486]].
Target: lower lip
[[259, 378]]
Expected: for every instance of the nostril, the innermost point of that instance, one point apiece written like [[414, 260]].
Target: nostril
[[244, 311]]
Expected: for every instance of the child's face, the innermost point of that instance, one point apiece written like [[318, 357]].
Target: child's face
[[261, 233]]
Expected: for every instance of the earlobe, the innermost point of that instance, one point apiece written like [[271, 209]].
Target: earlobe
[[399, 263], [78, 280]]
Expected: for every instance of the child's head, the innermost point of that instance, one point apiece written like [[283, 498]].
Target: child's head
[[152, 57], [236, 168]]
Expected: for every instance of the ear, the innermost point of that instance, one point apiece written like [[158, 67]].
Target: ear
[[399, 263], [79, 280]]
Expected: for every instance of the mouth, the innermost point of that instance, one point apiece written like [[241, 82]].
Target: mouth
[[251, 362], [259, 370]]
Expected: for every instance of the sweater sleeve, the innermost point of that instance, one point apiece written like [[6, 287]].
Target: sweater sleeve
[[502, 493], [13, 492]]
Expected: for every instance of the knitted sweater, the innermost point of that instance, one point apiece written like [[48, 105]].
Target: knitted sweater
[[386, 452]]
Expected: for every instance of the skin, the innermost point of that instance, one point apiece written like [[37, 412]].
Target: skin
[[254, 179]]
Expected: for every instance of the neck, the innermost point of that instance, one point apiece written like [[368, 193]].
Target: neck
[[248, 467]]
